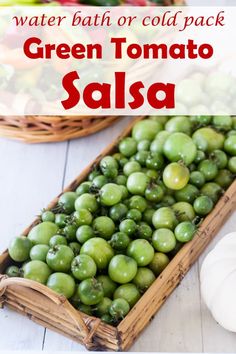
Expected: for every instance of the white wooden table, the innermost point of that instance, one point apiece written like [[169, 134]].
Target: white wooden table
[[32, 175]]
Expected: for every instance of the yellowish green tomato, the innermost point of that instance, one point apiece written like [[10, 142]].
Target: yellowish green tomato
[[176, 176], [159, 263], [208, 140], [163, 240], [86, 201], [144, 279], [232, 164], [230, 145], [164, 218], [184, 211]]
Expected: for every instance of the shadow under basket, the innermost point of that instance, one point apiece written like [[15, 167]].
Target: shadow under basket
[[53, 311]]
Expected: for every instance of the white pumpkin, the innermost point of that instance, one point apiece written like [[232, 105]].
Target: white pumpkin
[[218, 282]]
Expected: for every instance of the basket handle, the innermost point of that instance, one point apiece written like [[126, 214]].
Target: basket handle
[[54, 297]]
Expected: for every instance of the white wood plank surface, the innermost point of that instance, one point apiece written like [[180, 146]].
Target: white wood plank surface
[[31, 175]]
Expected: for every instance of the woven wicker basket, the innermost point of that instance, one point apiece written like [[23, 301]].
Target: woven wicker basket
[[40, 129]]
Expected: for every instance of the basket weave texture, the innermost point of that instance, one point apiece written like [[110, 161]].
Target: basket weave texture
[[40, 129]]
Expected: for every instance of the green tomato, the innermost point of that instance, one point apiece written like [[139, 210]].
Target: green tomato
[[86, 201], [163, 240], [90, 291], [144, 231], [154, 193], [83, 188], [122, 269], [13, 271], [121, 180], [232, 164], [110, 194], [158, 144], [131, 167], [209, 169], [128, 147], [83, 267], [75, 246], [70, 232], [39, 253], [128, 226], [230, 145], [37, 271], [104, 227], [59, 258], [55, 240], [134, 214], [144, 279], [103, 307], [129, 292], [82, 217], [201, 120], [224, 178], [188, 194], [146, 130], [137, 183], [180, 147], [220, 158], [141, 158], [99, 250], [48, 216], [124, 192], [203, 205], [208, 140], [118, 212], [176, 176], [19, 249], [119, 241], [159, 263], [84, 233], [62, 283], [144, 145], [99, 182], [155, 161], [164, 218], [183, 211], [119, 309], [200, 156], [61, 220], [185, 231], [108, 285], [109, 166], [107, 319], [41, 233], [141, 251], [197, 179], [212, 190], [137, 202], [179, 124], [222, 122], [67, 202], [148, 215]]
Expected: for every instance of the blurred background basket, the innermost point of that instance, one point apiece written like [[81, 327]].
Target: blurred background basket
[[40, 129]]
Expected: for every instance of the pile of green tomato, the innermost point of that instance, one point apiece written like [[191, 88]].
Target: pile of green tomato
[[104, 244]]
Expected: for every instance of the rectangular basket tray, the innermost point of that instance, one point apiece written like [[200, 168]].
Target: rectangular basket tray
[[53, 311]]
